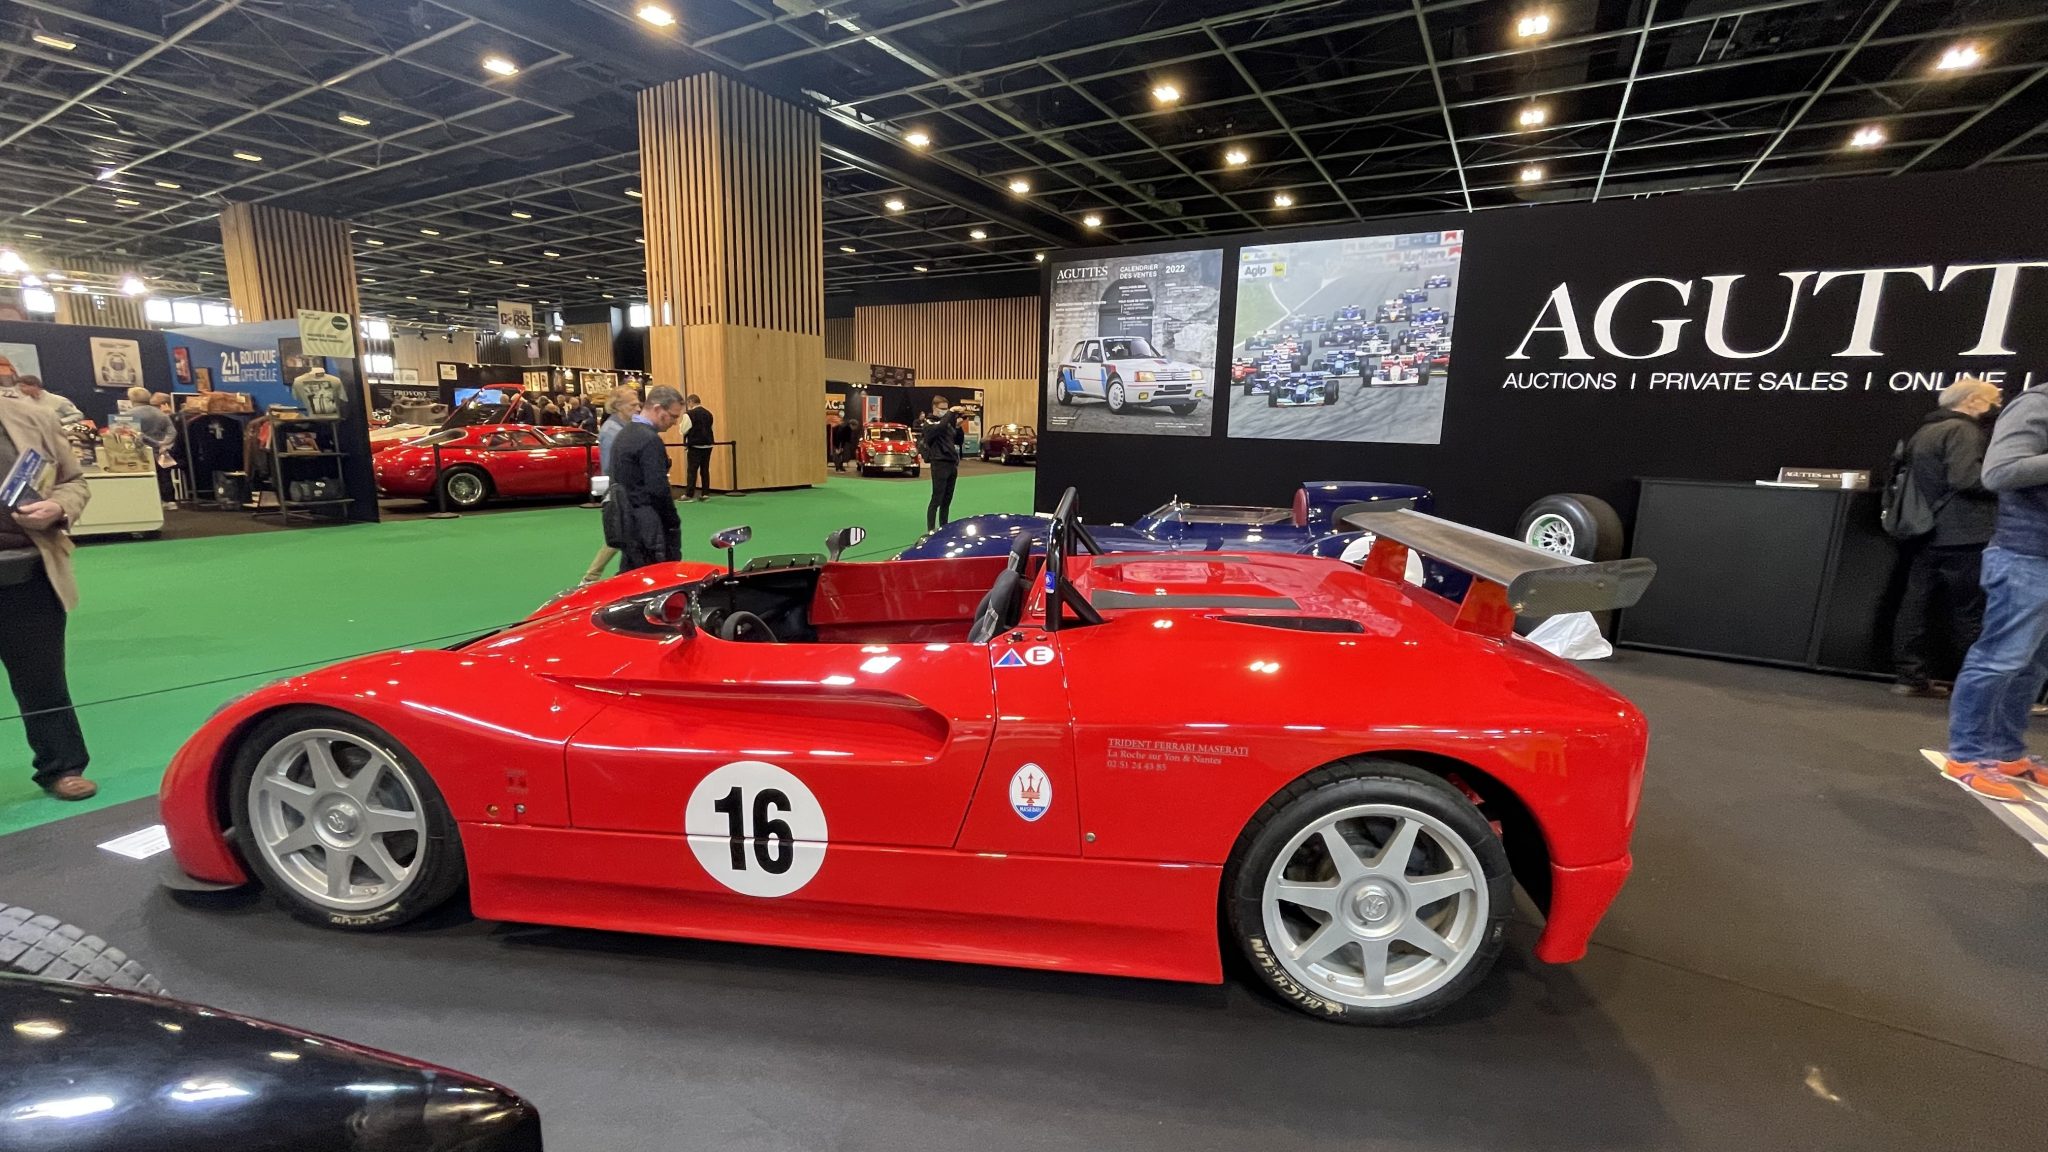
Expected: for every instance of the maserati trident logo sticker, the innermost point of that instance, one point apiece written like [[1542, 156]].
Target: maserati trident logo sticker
[[1030, 792]]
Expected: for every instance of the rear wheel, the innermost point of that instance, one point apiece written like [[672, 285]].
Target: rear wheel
[[1063, 391], [342, 823], [1369, 892], [1572, 524]]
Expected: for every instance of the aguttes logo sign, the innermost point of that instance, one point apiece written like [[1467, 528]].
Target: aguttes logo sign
[[1899, 328]]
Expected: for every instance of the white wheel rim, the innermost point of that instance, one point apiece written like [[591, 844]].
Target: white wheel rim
[[1552, 533], [336, 818], [1375, 906], [1116, 395]]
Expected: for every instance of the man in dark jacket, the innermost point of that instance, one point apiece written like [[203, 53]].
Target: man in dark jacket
[[938, 441], [1946, 459], [640, 507], [697, 441]]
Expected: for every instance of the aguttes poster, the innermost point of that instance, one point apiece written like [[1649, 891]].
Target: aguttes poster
[[1131, 345]]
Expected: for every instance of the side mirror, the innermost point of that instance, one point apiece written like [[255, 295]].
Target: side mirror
[[671, 610], [838, 542], [730, 538]]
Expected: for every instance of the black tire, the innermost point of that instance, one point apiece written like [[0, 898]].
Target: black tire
[[1595, 525], [32, 945], [1187, 409], [1273, 399], [1248, 388], [444, 870], [1354, 781], [483, 489], [866, 471], [1061, 394], [1330, 391], [914, 473]]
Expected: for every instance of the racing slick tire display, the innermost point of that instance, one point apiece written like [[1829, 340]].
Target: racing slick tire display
[[1369, 892], [465, 488], [33, 945], [1572, 524], [341, 822]]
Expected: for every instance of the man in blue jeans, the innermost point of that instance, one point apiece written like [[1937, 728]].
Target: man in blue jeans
[[2008, 665]]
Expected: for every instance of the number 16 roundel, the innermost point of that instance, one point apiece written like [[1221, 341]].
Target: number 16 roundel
[[756, 828]]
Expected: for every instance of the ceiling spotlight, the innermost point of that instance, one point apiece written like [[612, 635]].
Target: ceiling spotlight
[[608, 296], [369, 279], [374, 243], [1282, 200], [979, 234], [428, 232], [554, 337], [11, 263], [1533, 25], [1532, 174], [1166, 93], [1869, 136], [249, 157], [518, 215], [893, 204], [127, 203], [426, 271], [1533, 116], [108, 173], [501, 66], [412, 297], [846, 248], [462, 291], [495, 262], [1020, 185], [587, 276], [1092, 220], [133, 286], [57, 42], [1957, 58], [522, 284], [1237, 157], [633, 192], [656, 15], [353, 119], [75, 220], [641, 240], [167, 184], [550, 253], [1040, 257], [919, 268], [918, 138]]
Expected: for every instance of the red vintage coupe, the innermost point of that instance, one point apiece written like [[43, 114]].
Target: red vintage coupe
[[1094, 762], [1010, 444], [486, 461]]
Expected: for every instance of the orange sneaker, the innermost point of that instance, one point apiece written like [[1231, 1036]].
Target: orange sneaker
[[2032, 769], [1985, 779]]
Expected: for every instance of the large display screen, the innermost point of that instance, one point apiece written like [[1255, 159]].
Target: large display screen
[[1131, 346], [1345, 339]]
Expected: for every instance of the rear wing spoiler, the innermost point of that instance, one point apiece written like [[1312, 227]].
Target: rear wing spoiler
[[1510, 578]]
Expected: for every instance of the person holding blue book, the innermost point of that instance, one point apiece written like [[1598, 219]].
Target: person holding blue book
[[42, 492]]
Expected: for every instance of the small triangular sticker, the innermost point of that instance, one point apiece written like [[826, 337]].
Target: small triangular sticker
[[1010, 659]]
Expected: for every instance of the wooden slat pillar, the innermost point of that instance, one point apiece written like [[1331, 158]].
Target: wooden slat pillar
[[733, 212], [280, 261]]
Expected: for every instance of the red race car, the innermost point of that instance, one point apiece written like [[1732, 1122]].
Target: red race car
[[887, 448], [1072, 761], [484, 461]]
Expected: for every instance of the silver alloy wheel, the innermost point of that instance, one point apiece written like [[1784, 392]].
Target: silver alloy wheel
[[465, 488], [1552, 533], [337, 819], [1375, 906]]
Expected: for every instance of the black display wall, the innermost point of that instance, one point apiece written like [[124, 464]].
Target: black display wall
[[1655, 384], [65, 355]]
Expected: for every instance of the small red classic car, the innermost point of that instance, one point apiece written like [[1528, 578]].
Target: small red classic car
[[1010, 444], [487, 461], [1335, 773], [887, 448]]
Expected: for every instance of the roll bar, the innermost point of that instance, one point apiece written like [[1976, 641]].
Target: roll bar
[[1063, 537]]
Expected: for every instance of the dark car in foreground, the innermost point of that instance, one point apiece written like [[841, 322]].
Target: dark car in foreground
[[86, 1069]]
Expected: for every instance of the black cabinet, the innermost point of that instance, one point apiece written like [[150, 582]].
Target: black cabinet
[[1797, 576]]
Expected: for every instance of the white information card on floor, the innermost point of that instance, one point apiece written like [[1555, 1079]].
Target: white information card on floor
[[140, 845]]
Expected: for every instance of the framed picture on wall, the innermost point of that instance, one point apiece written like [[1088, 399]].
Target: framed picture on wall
[[202, 378], [405, 376], [1131, 344], [116, 363]]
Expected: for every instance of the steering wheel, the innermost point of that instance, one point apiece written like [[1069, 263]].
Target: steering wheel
[[748, 627]]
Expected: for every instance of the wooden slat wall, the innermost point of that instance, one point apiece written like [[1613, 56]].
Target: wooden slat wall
[[594, 352], [112, 310], [953, 339], [839, 338], [1002, 401], [732, 210], [280, 261]]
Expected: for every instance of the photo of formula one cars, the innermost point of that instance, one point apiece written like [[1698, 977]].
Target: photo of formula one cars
[[1345, 339]]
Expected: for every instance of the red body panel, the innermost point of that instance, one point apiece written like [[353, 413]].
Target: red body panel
[[543, 470], [1048, 799]]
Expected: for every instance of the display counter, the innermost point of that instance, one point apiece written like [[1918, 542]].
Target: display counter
[[122, 503], [1794, 576]]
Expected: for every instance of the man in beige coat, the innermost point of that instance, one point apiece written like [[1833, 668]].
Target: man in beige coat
[[37, 594]]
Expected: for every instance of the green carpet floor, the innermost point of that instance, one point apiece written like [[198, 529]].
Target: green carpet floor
[[167, 631]]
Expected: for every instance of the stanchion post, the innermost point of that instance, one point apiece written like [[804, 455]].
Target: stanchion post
[[735, 446], [440, 491]]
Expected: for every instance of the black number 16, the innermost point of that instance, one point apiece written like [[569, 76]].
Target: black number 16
[[767, 831]]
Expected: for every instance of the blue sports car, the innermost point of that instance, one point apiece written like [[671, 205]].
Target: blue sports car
[[1437, 281]]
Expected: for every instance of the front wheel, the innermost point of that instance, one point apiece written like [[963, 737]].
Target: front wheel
[[465, 488], [1369, 892], [1115, 394], [342, 823]]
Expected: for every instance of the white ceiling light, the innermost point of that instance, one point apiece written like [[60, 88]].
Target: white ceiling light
[[1958, 58], [428, 232], [374, 242], [1533, 116], [501, 66], [1532, 174], [979, 234], [550, 253], [633, 192], [11, 263], [1166, 93], [919, 268], [426, 271], [133, 286], [249, 157], [76, 220], [124, 202], [1868, 136], [656, 15], [518, 215], [1282, 200], [1237, 157], [167, 184], [1532, 25], [353, 119], [918, 138], [495, 262], [522, 284], [1092, 220], [893, 204], [846, 248], [1020, 185], [57, 42], [1040, 257]]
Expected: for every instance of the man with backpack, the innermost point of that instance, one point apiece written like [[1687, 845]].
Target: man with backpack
[[938, 441], [2007, 666], [1941, 511]]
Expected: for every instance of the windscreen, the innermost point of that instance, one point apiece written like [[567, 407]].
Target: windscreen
[[1130, 348]]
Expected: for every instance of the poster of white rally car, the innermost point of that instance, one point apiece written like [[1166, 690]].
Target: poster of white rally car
[[1126, 372]]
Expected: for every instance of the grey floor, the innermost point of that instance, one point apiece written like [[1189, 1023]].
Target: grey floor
[[1825, 946]]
